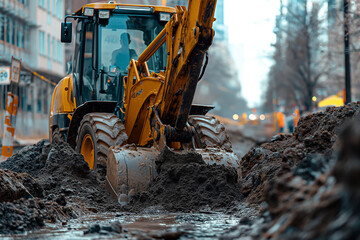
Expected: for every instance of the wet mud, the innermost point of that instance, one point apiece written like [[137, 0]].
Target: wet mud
[[48, 183], [185, 183], [307, 152], [21, 207], [30, 159], [306, 181], [295, 186], [28, 214]]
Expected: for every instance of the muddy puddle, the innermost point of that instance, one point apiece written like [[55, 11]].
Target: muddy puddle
[[137, 226]]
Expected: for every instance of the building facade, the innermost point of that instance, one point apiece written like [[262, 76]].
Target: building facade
[[30, 31]]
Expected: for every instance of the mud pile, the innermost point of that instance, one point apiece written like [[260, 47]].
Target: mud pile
[[17, 185], [29, 159], [60, 170], [66, 172], [20, 211], [306, 153], [329, 207], [185, 183], [27, 214], [318, 198]]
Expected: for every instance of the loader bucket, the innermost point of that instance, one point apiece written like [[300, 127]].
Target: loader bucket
[[131, 169]]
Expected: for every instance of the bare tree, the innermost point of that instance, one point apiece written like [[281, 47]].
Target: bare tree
[[301, 58]]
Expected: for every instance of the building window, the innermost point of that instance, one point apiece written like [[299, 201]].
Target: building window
[[27, 38], [13, 31], [42, 3], [8, 30], [2, 27], [41, 42], [48, 5], [59, 54], [49, 45], [59, 8], [53, 49], [62, 52], [39, 95], [20, 36]]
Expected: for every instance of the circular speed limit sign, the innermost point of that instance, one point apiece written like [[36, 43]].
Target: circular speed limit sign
[[4, 75]]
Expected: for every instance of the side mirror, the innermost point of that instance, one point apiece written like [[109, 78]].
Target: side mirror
[[66, 32]]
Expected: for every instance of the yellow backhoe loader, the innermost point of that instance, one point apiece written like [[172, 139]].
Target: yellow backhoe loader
[[130, 90]]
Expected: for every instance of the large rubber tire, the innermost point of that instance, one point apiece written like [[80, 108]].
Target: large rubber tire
[[209, 132], [57, 136], [105, 131]]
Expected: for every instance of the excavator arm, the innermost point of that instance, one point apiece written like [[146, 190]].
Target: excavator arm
[[188, 36]]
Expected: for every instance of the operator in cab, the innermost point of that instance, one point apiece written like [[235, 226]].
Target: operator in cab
[[122, 56]]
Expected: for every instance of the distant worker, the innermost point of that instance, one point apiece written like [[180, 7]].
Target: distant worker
[[122, 56], [290, 122], [296, 117], [281, 121]]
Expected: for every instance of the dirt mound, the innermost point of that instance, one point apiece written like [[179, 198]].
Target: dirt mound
[[60, 170], [318, 198], [329, 207], [57, 172], [66, 172], [30, 159], [17, 185], [306, 152], [28, 214], [185, 183], [20, 211]]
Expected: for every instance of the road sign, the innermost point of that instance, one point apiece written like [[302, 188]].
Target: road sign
[[15, 70], [4, 75], [9, 126]]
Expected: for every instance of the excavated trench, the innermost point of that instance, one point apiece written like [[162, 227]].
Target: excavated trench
[[299, 186]]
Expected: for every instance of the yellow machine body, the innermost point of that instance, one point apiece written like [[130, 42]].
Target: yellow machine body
[[63, 102]]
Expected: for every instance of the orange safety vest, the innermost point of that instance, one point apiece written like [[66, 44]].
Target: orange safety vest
[[297, 117], [281, 119]]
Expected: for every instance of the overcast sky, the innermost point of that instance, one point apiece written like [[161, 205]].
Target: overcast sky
[[250, 25]]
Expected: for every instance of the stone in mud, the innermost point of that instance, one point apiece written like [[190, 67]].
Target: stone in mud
[[114, 227]]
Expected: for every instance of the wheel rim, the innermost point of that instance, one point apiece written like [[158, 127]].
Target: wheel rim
[[87, 150]]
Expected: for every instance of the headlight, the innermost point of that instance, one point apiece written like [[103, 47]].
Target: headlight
[[104, 14], [165, 17], [88, 12]]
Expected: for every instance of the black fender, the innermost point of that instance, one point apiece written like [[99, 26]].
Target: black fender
[[81, 111], [197, 109]]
